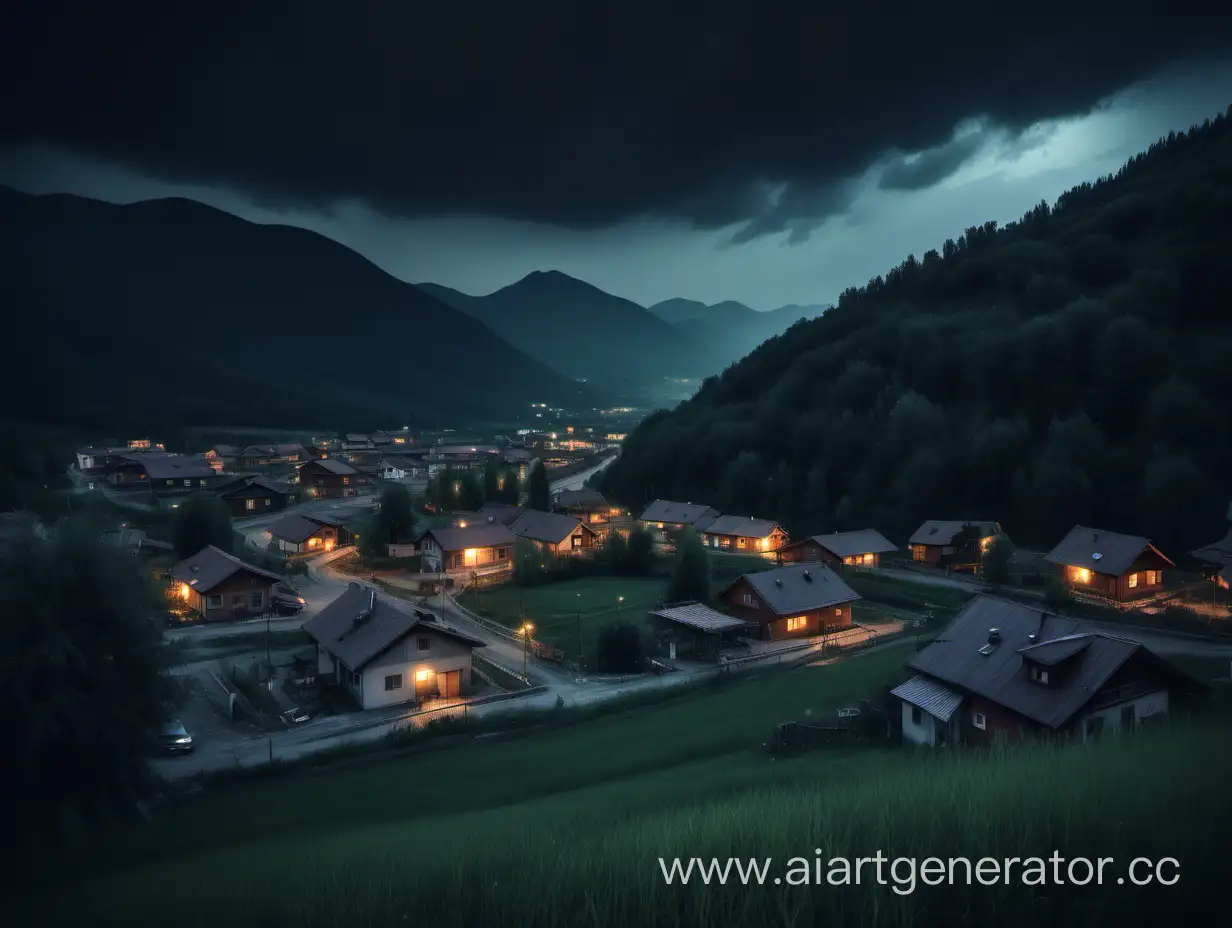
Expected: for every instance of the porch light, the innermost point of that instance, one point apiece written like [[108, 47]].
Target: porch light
[[184, 591], [422, 675], [1082, 575]]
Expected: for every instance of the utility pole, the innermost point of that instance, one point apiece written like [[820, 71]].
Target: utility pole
[[579, 632]]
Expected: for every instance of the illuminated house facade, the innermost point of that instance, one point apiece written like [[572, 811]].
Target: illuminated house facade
[[1110, 566], [862, 548], [296, 534], [385, 652], [484, 549], [743, 535], [791, 602], [219, 586], [665, 515], [330, 478], [959, 544]]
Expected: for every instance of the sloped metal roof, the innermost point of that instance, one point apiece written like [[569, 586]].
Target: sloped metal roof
[[741, 526], [551, 527], [211, 566], [481, 535], [944, 531], [666, 510], [702, 618], [935, 699], [849, 544]]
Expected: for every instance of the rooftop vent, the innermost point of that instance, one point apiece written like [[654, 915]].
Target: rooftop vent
[[778, 582], [994, 635], [1032, 637], [1096, 556], [808, 576], [194, 567]]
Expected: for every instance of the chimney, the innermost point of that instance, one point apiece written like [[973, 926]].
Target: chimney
[[994, 635]]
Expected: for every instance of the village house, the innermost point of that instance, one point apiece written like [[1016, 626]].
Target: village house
[[253, 495], [952, 543], [385, 652], [222, 457], [219, 586], [354, 441], [484, 549], [520, 459], [1109, 565], [861, 548], [163, 474], [743, 535], [796, 601], [1004, 669], [330, 478], [393, 468], [381, 439], [504, 513], [590, 507], [556, 534], [94, 462], [267, 455], [664, 516], [695, 631], [301, 533]]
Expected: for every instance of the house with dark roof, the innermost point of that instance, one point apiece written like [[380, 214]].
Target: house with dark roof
[[664, 516], [330, 478], [222, 456], [1216, 557], [1108, 565], [396, 468], [743, 535], [162, 474], [219, 586], [480, 549], [97, 461], [796, 601], [697, 632], [504, 513], [954, 543], [555, 534], [384, 652], [304, 533], [266, 455], [255, 494], [1003, 669], [861, 548], [589, 506]]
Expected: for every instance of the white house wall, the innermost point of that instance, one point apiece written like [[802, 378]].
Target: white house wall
[[445, 654], [1145, 707], [924, 733]]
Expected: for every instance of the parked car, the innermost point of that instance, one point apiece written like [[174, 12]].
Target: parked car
[[286, 600], [174, 738]]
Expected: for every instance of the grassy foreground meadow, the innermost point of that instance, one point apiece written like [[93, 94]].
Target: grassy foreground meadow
[[565, 826]]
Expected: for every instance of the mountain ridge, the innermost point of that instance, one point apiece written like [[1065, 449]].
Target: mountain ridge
[[107, 283]]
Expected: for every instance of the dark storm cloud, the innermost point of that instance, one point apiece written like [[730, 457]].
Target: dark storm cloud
[[576, 114], [917, 172]]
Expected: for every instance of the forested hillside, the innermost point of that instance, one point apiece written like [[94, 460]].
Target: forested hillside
[[1072, 367]]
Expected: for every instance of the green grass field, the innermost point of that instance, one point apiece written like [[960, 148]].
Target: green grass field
[[564, 826], [557, 609]]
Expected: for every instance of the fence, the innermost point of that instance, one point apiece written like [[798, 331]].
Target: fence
[[495, 627], [482, 659]]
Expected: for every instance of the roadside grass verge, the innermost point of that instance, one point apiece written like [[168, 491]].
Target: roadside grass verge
[[565, 851]]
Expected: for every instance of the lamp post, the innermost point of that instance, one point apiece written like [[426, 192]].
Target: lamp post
[[579, 630], [527, 628], [619, 600]]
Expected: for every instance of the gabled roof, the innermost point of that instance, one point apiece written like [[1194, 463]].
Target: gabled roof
[[332, 465], [1217, 552], [550, 527], [295, 528], [1103, 552], [567, 498], [355, 436], [665, 510], [211, 566], [798, 588], [702, 618], [944, 531], [849, 544], [225, 451], [963, 657], [159, 465], [740, 526], [362, 624], [255, 480], [504, 513], [481, 535], [935, 699]]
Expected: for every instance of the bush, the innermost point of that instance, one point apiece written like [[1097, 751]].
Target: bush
[[202, 519], [620, 648], [690, 580]]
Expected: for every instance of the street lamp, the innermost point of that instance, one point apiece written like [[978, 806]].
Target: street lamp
[[619, 600], [527, 628]]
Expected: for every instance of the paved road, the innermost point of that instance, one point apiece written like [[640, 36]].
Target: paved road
[[575, 482]]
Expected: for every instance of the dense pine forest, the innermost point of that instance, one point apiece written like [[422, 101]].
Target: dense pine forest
[[1072, 367]]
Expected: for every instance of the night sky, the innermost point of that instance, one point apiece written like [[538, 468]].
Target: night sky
[[776, 156]]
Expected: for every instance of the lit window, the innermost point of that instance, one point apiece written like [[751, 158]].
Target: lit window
[[796, 623], [838, 610], [978, 720], [1133, 580], [250, 504]]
